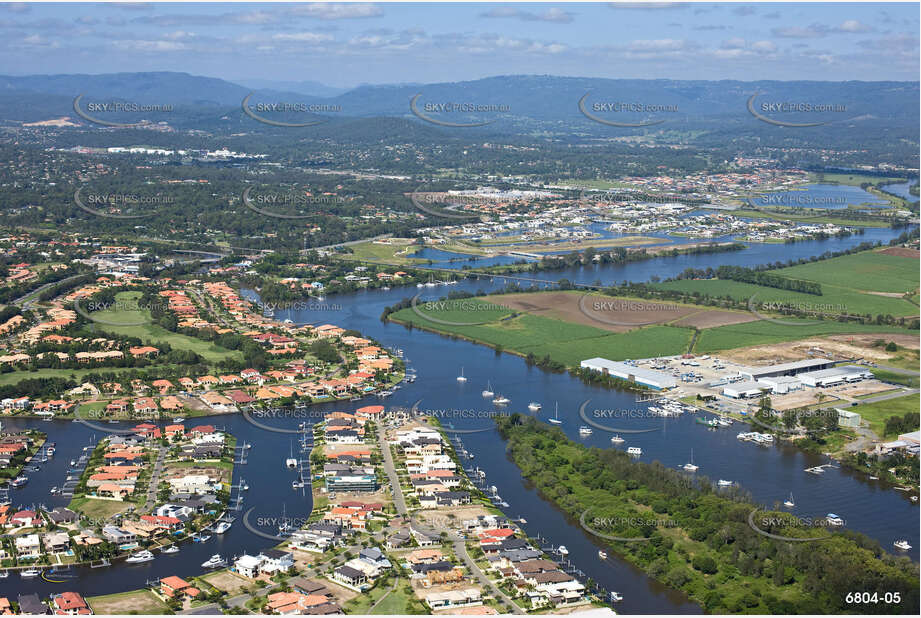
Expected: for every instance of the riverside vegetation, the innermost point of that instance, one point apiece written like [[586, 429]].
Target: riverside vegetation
[[699, 538]]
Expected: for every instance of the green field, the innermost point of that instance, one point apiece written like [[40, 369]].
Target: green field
[[98, 509], [833, 301], [877, 413], [871, 270], [764, 332], [153, 333], [565, 342], [570, 343]]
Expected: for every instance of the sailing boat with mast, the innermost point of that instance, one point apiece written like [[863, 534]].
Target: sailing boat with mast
[[461, 377], [690, 467], [789, 501], [291, 462], [556, 415], [487, 392]]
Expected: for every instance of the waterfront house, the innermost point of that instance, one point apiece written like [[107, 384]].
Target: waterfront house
[[70, 604], [176, 587], [28, 546]]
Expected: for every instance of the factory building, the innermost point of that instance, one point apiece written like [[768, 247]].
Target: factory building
[[786, 369], [646, 377], [745, 390], [781, 385], [836, 375]]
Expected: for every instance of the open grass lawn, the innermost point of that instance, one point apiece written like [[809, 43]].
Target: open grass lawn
[[98, 509], [15, 376], [380, 252], [877, 413], [834, 299], [565, 342], [153, 333], [869, 270], [395, 602], [855, 179], [764, 332], [142, 602]]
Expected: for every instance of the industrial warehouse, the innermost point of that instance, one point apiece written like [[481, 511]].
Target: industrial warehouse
[[650, 378]]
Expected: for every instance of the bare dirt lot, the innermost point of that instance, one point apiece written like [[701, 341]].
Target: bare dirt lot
[[843, 392], [902, 252], [617, 314], [838, 347], [228, 582]]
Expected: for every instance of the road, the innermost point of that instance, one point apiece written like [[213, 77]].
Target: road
[[34, 293], [154, 481], [391, 470], [895, 395], [460, 548]]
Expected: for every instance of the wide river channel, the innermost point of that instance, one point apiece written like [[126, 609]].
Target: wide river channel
[[770, 474]]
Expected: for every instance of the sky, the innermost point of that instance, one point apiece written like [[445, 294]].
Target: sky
[[347, 44]]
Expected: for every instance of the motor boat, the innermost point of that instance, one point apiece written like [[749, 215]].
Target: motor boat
[[19, 481], [178, 419], [4, 574], [534, 406], [902, 544], [501, 400], [834, 520], [616, 439], [461, 377], [200, 537], [563, 551], [690, 467], [602, 554], [634, 450], [172, 549], [29, 573], [222, 527], [139, 557], [585, 430], [789, 503], [214, 562], [615, 597], [297, 484], [724, 483]]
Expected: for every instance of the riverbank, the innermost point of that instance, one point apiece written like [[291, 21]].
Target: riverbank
[[703, 546]]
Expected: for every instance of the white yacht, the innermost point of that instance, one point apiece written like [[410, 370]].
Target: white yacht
[[690, 467], [789, 503], [222, 527], [563, 551], [501, 400], [585, 430], [487, 392], [902, 544], [602, 554], [834, 520], [461, 377], [214, 562], [724, 483], [178, 419], [634, 450], [291, 462], [141, 556], [172, 549], [615, 597], [556, 416], [616, 439], [534, 406], [29, 573]]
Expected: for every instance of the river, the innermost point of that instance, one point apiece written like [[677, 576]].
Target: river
[[770, 474]]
